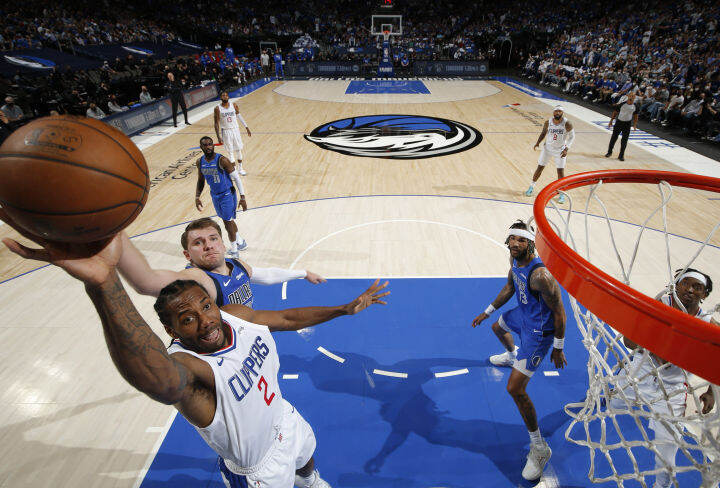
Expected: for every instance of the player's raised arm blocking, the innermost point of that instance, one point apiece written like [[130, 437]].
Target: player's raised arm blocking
[[300, 318]]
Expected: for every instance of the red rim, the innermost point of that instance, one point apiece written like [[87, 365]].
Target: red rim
[[686, 341]]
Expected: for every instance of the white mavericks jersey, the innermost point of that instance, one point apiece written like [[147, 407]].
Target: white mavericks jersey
[[249, 407], [555, 139], [228, 117]]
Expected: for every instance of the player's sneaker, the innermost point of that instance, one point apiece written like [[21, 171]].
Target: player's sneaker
[[529, 191], [505, 359], [318, 482], [242, 245], [536, 460], [242, 171], [561, 198]]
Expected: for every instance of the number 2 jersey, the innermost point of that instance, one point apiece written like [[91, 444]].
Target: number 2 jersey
[[555, 139], [249, 407]]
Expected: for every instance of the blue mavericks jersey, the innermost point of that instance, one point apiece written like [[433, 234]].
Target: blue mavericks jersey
[[277, 58], [217, 178], [234, 288], [536, 314]]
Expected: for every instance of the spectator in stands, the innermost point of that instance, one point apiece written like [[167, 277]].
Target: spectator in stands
[[94, 111], [673, 107], [114, 107], [692, 111], [145, 96], [12, 111]]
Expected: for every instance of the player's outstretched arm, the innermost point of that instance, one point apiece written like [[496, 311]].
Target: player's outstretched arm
[[300, 318], [134, 267], [543, 282], [274, 276], [505, 294], [139, 355]]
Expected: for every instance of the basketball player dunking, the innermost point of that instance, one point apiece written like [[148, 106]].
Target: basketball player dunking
[[220, 372], [220, 174], [228, 131], [539, 320], [225, 280], [560, 137]]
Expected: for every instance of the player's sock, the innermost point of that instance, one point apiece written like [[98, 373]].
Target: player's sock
[[532, 185], [536, 438]]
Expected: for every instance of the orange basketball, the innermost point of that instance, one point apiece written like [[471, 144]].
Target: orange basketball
[[72, 179]]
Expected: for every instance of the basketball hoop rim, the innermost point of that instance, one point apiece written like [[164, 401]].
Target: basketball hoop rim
[[684, 340]]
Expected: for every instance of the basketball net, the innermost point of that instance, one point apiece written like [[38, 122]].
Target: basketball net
[[638, 408], [386, 35]]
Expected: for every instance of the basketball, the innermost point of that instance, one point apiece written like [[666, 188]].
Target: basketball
[[72, 179]]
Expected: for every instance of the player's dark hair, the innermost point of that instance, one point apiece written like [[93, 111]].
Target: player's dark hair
[[708, 287], [203, 138], [167, 294], [519, 224], [198, 224]]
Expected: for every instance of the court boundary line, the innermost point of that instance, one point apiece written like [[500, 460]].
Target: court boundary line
[[156, 447], [376, 222], [376, 196], [499, 90]]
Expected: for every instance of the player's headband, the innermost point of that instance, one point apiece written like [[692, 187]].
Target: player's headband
[[692, 274], [559, 107], [522, 233]]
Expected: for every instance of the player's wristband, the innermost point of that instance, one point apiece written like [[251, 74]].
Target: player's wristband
[[558, 343], [490, 309]]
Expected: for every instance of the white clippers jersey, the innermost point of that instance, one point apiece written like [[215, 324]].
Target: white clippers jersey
[[555, 139], [672, 376], [228, 117], [249, 403]]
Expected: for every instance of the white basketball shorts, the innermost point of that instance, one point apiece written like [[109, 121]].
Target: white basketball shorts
[[293, 447], [233, 143], [545, 155]]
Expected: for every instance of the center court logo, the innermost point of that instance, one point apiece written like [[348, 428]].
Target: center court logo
[[395, 136]]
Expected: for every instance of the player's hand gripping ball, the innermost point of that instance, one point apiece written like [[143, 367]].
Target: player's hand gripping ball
[[72, 179]]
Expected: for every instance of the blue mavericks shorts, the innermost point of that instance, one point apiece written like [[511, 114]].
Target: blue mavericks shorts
[[535, 341], [232, 479], [226, 204]]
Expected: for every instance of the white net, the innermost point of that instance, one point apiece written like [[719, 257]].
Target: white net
[[645, 421]]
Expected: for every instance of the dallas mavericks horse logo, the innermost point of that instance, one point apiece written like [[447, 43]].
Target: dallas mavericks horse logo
[[395, 136]]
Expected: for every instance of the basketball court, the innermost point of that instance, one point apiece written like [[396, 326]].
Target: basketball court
[[399, 396]]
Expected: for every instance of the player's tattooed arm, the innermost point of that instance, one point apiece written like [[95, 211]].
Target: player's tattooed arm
[[543, 282], [505, 294], [542, 135], [139, 355]]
